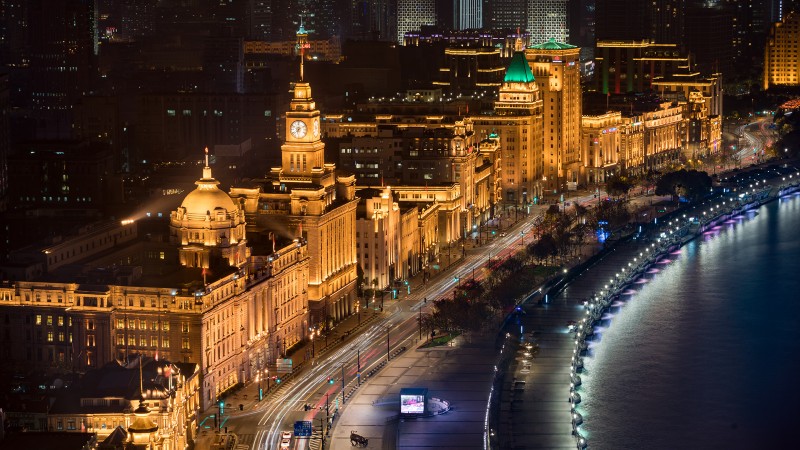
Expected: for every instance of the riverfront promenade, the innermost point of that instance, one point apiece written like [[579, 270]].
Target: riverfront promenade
[[463, 375], [460, 374], [534, 403], [531, 397]]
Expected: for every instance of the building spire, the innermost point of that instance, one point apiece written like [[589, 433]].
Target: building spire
[[207, 168], [302, 45], [518, 45]]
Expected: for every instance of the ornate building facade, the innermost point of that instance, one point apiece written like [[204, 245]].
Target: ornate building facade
[[306, 199], [781, 61], [556, 66], [516, 124]]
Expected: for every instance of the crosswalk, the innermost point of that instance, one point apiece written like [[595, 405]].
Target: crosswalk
[[299, 405], [315, 443]]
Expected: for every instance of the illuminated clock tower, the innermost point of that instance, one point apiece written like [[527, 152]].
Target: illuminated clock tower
[[307, 200], [303, 150]]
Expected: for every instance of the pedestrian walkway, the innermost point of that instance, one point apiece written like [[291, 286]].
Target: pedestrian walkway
[[246, 399], [534, 411], [534, 402], [460, 375]]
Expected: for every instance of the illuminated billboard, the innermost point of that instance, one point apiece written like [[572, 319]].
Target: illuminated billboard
[[412, 404], [412, 401]]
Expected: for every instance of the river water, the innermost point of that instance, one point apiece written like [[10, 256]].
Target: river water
[[705, 354]]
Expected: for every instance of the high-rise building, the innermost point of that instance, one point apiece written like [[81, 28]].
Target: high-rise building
[[556, 66], [325, 18], [61, 47], [657, 20], [413, 14], [751, 21], [223, 64], [631, 66], [306, 199], [708, 38], [467, 14], [137, 18], [781, 60], [371, 19], [505, 14], [471, 69], [582, 26], [260, 19], [4, 142], [517, 124], [548, 19]]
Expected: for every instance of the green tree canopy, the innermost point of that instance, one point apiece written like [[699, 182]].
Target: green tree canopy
[[691, 184], [618, 185]]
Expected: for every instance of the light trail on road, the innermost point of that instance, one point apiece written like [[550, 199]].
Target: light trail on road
[[310, 385]]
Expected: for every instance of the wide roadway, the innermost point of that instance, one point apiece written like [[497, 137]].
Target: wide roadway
[[260, 428]]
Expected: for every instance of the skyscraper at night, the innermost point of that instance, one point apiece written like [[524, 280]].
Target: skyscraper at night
[[260, 19], [4, 140], [547, 19], [61, 41], [467, 14], [370, 19], [412, 14], [657, 20], [505, 14], [781, 62], [556, 68]]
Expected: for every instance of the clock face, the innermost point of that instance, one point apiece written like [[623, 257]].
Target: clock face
[[298, 129], [315, 128]]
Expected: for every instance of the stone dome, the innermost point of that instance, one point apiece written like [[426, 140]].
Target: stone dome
[[206, 199]]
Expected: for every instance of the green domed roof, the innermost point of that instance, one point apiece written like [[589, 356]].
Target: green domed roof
[[552, 44], [518, 71]]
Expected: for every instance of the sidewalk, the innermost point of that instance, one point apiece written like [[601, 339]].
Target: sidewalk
[[247, 396], [461, 375]]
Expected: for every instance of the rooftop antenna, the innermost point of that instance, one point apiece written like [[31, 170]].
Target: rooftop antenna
[[302, 45]]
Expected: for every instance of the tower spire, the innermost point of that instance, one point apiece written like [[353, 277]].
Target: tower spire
[[207, 168], [302, 45]]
